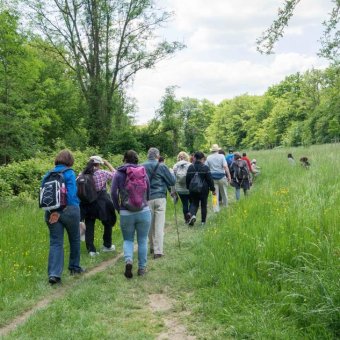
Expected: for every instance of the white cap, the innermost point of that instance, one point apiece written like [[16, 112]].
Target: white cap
[[97, 159]]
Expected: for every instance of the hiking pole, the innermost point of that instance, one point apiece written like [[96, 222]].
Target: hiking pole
[[175, 199]]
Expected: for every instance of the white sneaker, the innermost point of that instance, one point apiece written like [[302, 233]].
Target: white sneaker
[[192, 220], [106, 249], [93, 253]]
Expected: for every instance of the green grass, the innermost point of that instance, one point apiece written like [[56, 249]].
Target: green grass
[[265, 268]]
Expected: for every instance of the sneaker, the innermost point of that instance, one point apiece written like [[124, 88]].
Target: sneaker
[[192, 220], [187, 218], [151, 251], [157, 256], [203, 224], [93, 253], [77, 271], [54, 280], [141, 271], [107, 249], [128, 270]]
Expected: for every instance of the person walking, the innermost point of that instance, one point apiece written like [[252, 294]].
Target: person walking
[[160, 179], [65, 218], [102, 208], [180, 170], [240, 175], [133, 219], [220, 174], [197, 197]]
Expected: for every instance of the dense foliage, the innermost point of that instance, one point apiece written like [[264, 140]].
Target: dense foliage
[[43, 105]]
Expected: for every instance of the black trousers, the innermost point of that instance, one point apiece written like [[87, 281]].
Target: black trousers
[[195, 200], [89, 234]]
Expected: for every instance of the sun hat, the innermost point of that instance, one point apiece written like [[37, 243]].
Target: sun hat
[[215, 148], [97, 159]]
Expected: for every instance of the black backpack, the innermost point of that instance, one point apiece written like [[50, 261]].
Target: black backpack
[[53, 191], [86, 190], [240, 171], [196, 184]]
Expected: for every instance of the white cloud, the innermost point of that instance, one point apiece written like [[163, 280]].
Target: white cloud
[[221, 59]]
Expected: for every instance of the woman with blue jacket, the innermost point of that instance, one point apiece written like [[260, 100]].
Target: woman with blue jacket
[[68, 218]]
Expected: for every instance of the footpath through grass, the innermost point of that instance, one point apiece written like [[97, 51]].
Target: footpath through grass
[[265, 268]]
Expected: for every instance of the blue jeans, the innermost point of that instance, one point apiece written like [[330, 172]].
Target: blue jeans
[[69, 219], [238, 193], [129, 224]]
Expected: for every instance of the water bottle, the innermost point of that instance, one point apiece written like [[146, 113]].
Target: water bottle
[[214, 200], [63, 192]]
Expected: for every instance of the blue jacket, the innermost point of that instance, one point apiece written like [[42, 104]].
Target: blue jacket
[[70, 181], [161, 180]]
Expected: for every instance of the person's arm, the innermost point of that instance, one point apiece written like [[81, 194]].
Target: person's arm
[[114, 192], [226, 169], [168, 177], [210, 180], [190, 175], [108, 164]]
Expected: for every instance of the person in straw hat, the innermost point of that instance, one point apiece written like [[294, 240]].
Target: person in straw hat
[[220, 174]]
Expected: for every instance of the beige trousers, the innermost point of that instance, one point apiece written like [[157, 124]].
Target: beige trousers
[[221, 188], [156, 233]]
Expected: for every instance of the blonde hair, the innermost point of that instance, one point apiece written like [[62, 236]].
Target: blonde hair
[[183, 156]]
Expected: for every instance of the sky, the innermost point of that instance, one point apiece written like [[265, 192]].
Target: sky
[[220, 60]]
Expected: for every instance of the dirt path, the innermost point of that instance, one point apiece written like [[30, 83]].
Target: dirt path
[[160, 303], [21, 319]]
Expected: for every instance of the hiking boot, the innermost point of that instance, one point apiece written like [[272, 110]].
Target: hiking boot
[[187, 218], [141, 271], [52, 280], [93, 253], [77, 271], [192, 220], [157, 256], [128, 270], [108, 249]]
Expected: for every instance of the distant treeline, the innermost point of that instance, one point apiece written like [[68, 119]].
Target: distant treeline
[[43, 108]]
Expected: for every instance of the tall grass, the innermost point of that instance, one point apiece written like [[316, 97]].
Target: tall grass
[[270, 265]]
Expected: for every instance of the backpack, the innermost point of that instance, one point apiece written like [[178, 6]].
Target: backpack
[[134, 191], [240, 171], [196, 184], [53, 191], [181, 174], [86, 190]]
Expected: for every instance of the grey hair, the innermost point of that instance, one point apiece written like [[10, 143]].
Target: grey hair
[[153, 153]]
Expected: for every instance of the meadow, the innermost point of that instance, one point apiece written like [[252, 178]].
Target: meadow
[[266, 267]]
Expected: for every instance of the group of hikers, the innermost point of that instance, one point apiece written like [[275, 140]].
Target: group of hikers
[[138, 194]]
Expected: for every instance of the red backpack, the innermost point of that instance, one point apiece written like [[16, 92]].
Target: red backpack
[[134, 191]]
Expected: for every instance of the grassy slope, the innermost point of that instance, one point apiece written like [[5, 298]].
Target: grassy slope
[[267, 267]]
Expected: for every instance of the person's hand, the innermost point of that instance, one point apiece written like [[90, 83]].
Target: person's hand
[[54, 217], [214, 193]]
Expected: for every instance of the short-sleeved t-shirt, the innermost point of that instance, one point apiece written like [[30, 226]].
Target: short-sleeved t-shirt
[[216, 163]]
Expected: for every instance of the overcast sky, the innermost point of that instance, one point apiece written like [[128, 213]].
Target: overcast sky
[[220, 60]]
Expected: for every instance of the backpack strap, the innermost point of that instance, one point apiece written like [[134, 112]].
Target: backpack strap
[[154, 172]]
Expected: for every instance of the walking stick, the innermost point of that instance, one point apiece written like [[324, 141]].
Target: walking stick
[[175, 199]]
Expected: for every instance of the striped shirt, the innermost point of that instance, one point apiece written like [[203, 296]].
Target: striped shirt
[[101, 177]]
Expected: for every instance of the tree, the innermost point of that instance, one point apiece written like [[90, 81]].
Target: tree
[[22, 120], [330, 41], [106, 42]]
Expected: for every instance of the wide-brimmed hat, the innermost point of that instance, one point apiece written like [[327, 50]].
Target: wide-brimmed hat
[[215, 148], [97, 159]]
